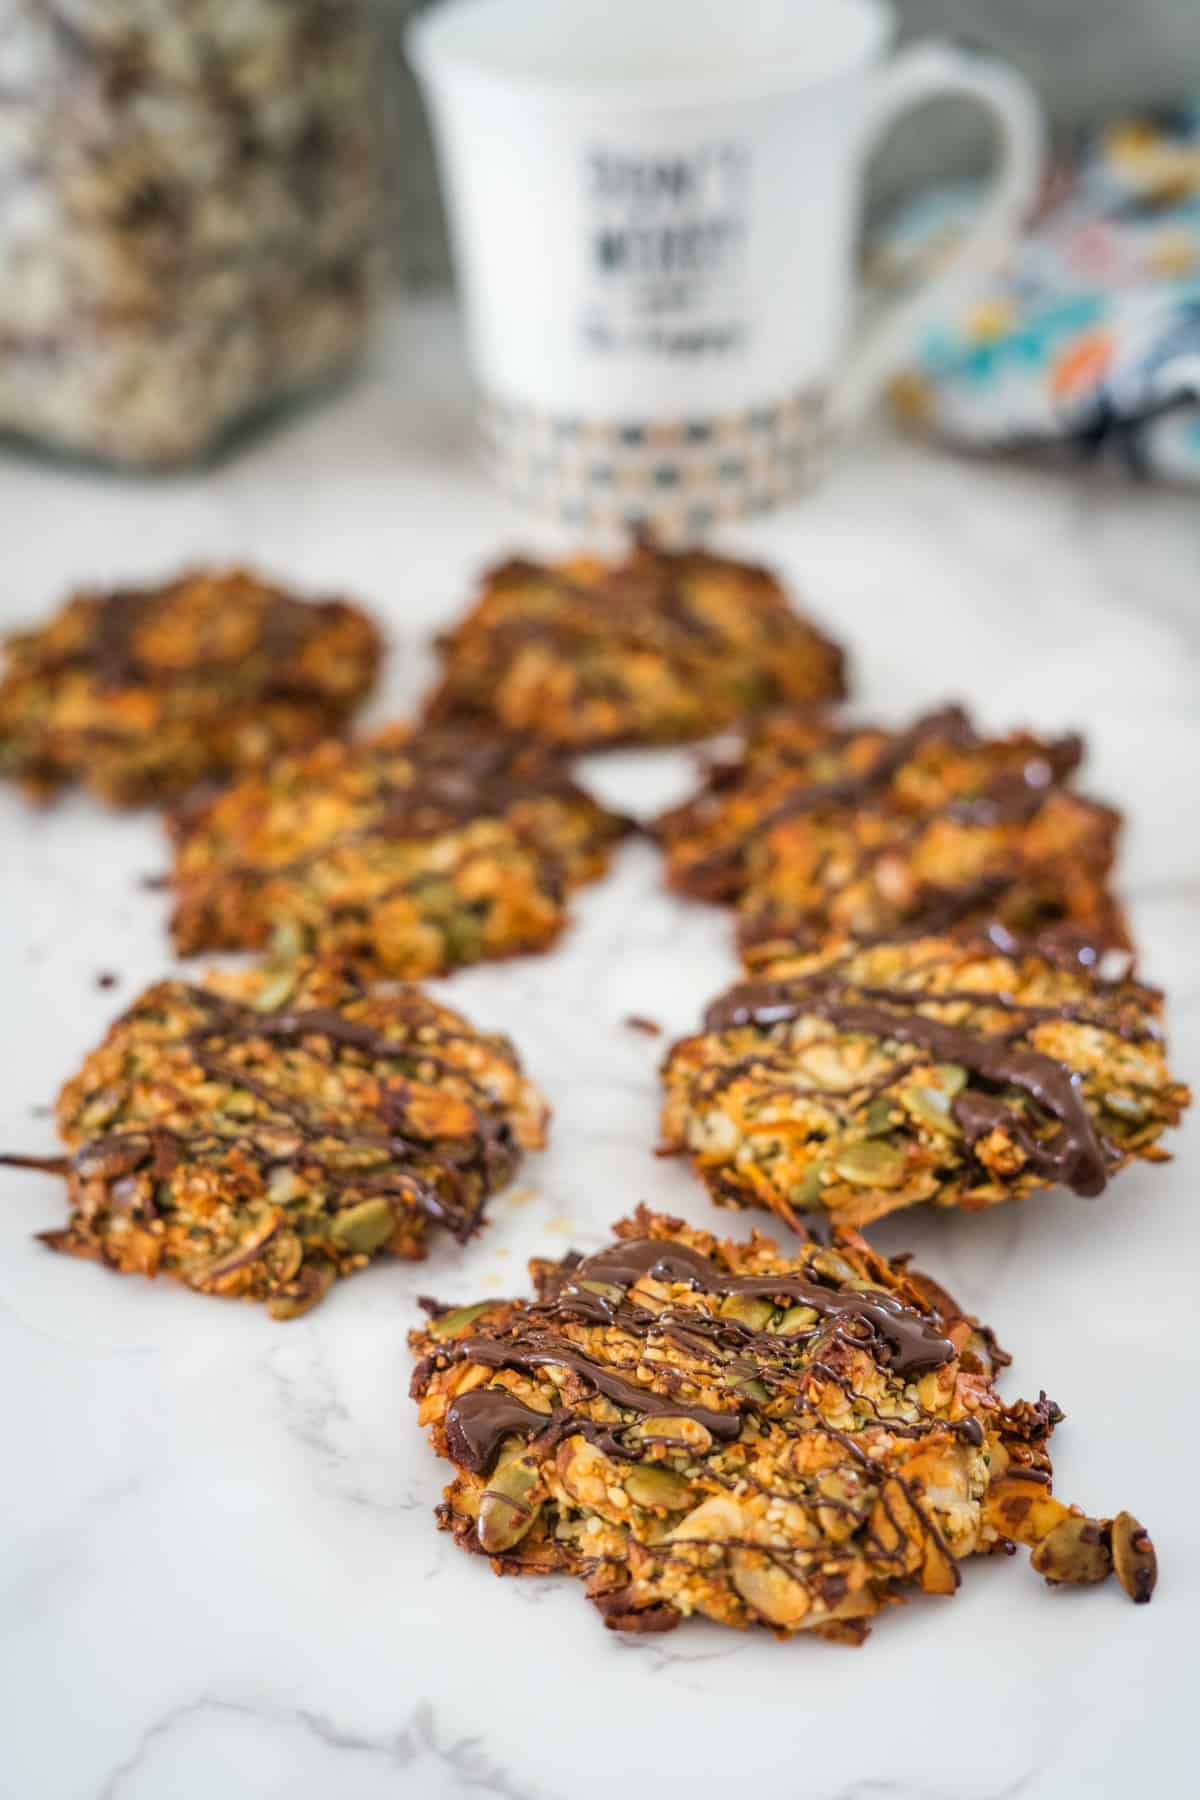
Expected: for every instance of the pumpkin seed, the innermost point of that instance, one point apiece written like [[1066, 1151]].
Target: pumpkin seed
[[978, 1354], [100, 1109], [1075, 1551], [879, 1116], [796, 1318], [436, 893], [277, 988], [505, 1511], [1022, 1509], [647, 1485], [285, 1254], [666, 1428], [839, 1519], [1133, 1558], [287, 943], [1124, 1106], [715, 1520], [829, 1263], [931, 1107], [450, 1323], [283, 1184], [312, 1284], [765, 1587], [871, 1164], [606, 1289], [463, 935], [750, 1387], [364, 1227], [898, 1529], [822, 1063], [952, 1078], [806, 1193], [747, 1310], [290, 1306]]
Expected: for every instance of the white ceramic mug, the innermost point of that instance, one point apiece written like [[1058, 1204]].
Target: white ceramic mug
[[654, 205]]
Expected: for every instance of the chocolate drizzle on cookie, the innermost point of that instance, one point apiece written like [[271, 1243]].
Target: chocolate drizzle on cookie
[[991, 784], [948, 722], [1075, 1154], [594, 1291], [478, 1422], [289, 1143], [533, 1350], [908, 1339]]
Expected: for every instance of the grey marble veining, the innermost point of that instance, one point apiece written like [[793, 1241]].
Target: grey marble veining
[[219, 1574]]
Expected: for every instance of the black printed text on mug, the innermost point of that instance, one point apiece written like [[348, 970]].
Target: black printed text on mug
[[665, 247]]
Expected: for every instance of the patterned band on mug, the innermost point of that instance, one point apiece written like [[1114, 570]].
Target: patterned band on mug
[[678, 477]]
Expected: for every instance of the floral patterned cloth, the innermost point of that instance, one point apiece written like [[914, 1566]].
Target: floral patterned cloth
[[1089, 339]]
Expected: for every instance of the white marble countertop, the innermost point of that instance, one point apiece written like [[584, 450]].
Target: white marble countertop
[[219, 1570]]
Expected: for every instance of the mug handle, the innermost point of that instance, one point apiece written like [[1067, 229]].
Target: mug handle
[[924, 72]]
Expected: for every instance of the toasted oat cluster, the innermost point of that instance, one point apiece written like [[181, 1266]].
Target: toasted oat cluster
[[261, 1135], [407, 854], [656, 649], [820, 831], [859, 1081], [698, 1427], [144, 693]]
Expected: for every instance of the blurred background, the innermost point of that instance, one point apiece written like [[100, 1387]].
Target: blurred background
[[202, 204], [1088, 59]]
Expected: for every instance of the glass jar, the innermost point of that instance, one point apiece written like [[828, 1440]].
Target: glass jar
[[188, 215]]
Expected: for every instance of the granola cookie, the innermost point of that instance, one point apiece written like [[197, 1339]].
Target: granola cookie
[[859, 1081], [409, 853], [260, 1135], [798, 765], [1029, 861], [793, 1441], [657, 649], [143, 693]]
